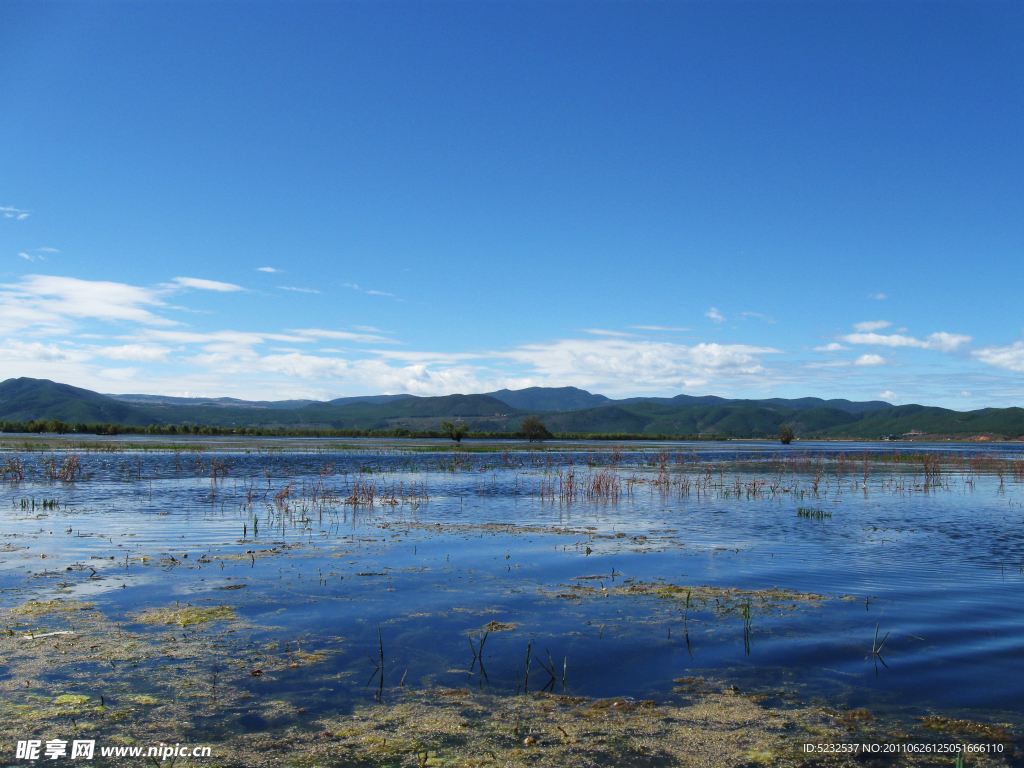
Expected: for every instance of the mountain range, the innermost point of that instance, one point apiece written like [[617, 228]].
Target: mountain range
[[565, 410]]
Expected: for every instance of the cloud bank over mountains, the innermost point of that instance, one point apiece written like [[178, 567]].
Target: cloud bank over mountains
[[119, 337]]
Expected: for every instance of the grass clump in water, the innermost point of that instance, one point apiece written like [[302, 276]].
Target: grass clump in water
[[187, 615], [47, 607], [813, 514], [145, 700], [71, 700]]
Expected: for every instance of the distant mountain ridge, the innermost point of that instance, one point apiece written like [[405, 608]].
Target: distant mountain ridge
[[221, 402], [565, 410], [530, 399]]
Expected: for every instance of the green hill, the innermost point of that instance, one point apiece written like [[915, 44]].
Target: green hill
[[38, 399], [23, 400], [550, 398]]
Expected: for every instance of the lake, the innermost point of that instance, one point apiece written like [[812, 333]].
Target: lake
[[278, 591]]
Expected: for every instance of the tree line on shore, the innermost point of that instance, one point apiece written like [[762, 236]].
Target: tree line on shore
[[531, 429]]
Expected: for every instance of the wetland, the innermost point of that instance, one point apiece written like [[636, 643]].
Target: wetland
[[411, 603]]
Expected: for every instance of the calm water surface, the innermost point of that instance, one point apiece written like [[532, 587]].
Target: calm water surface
[[934, 560]]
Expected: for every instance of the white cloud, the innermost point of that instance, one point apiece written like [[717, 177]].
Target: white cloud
[[207, 285], [369, 329], [362, 338], [267, 269], [299, 290], [14, 351], [629, 365], [45, 301], [888, 395], [965, 393], [606, 364], [1008, 358], [656, 328], [602, 332], [947, 342], [942, 342], [13, 213], [871, 325], [715, 315], [878, 296], [31, 257], [144, 353], [869, 360], [219, 348], [833, 347], [370, 292], [48, 250]]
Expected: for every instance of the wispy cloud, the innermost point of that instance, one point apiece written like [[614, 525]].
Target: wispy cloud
[[602, 332], [871, 325], [45, 301], [207, 285], [368, 291], [715, 315], [13, 213], [369, 329], [359, 338], [146, 353], [878, 296], [833, 347], [37, 254], [299, 290], [657, 328], [941, 342], [267, 269]]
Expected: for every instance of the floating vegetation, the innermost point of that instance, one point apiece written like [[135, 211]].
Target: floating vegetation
[[720, 600], [38, 608], [997, 733]]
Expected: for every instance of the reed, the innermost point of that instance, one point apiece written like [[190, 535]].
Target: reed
[[13, 470], [813, 514], [876, 647]]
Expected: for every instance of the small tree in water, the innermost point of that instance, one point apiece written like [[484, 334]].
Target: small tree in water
[[533, 429], [455, 431], [786, 434]]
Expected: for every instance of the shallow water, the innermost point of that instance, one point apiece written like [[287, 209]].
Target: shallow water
[[452, 542]]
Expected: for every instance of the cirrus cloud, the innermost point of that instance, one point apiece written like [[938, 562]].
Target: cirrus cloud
[[207, 285], [871, 325], [942, 341], [45, 301]]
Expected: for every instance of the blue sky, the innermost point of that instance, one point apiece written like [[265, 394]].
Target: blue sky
[[291, 199]]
